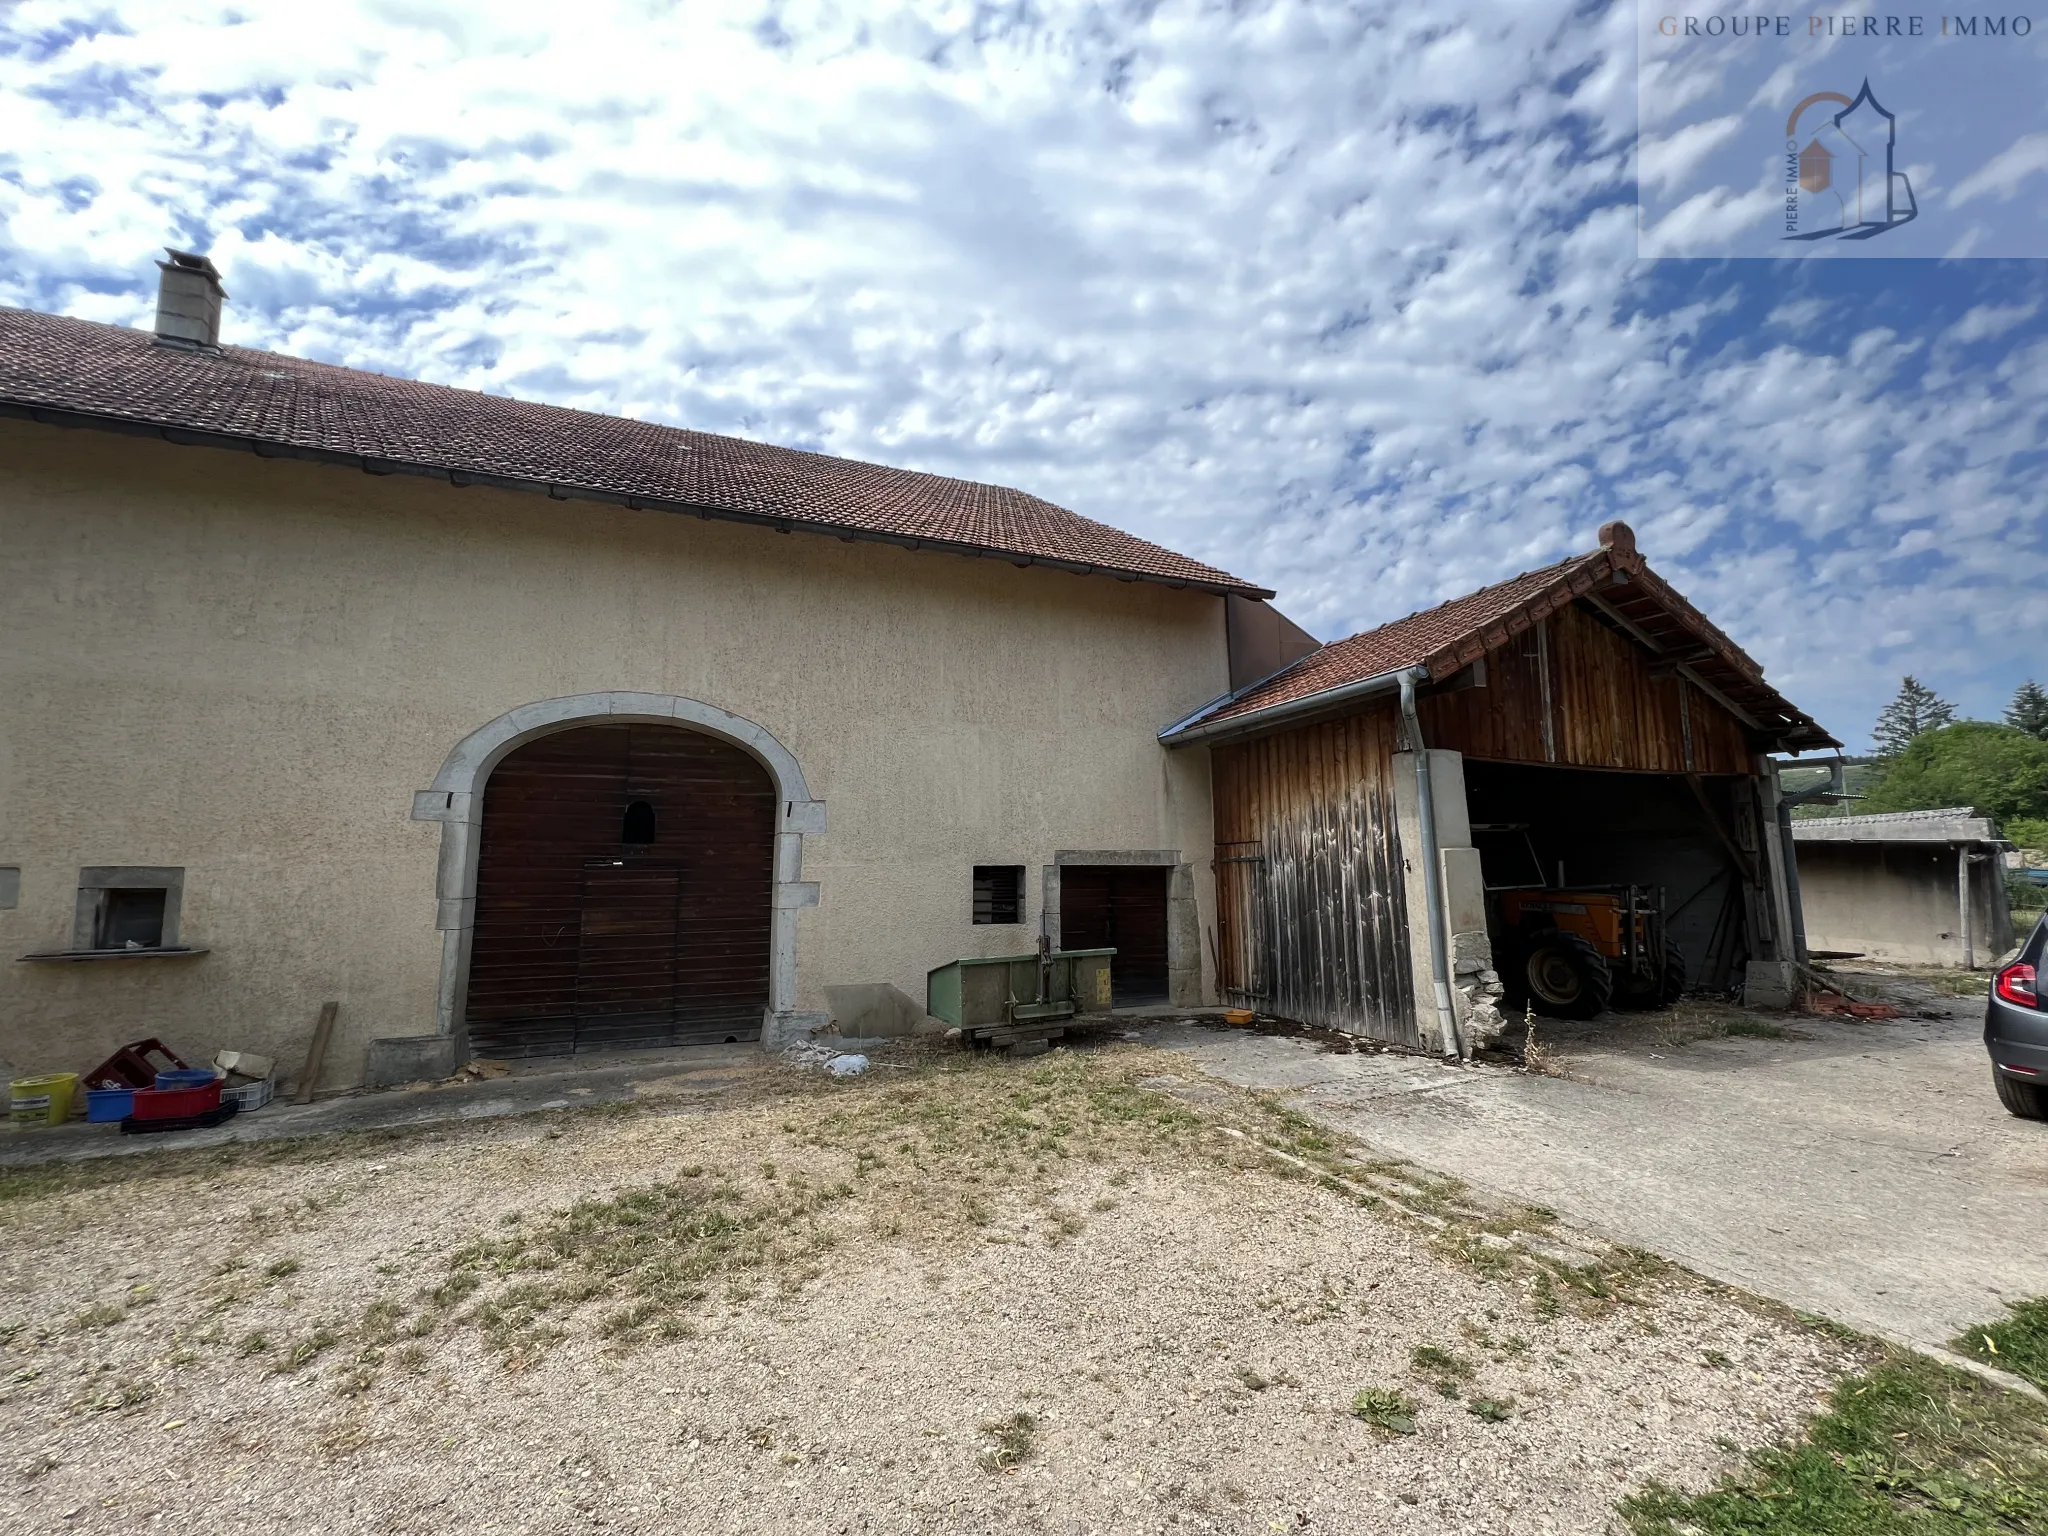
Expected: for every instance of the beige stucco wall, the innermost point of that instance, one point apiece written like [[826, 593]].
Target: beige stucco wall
[[246, 667]]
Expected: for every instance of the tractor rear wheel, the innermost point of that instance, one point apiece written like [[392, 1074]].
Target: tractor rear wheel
[[1674, 978], [1564, 975]]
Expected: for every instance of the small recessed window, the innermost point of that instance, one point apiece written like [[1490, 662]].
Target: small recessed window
[[130, 919], [639, 827], [123, 906], [999, 893]]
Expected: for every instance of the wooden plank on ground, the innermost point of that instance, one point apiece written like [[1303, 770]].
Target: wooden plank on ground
[[316, 1054]]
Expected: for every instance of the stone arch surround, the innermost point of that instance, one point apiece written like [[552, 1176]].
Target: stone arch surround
[[456, 801]]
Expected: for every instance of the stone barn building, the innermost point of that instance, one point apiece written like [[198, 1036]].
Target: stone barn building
[[521, 730], [524, 729]]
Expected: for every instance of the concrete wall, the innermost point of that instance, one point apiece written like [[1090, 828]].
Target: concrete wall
[[1901, 902], [1475, 983], [246, 668]]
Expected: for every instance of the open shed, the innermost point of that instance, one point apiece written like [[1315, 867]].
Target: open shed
[[1586, 729], [1914, 887]]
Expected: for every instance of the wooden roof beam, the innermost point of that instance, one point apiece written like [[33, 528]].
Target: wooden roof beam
[[1681, 668]]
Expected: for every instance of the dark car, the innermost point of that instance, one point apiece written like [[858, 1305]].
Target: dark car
[[2016, 1030]]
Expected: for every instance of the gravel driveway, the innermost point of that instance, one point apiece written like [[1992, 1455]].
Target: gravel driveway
[[1863, 1171], [952, 1295]]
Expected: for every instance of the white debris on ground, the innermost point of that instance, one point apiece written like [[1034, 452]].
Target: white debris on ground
[[1130, 1344], [815, 1053]]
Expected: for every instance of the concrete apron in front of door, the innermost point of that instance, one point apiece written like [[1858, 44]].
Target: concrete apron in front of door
[[1864, 1172]]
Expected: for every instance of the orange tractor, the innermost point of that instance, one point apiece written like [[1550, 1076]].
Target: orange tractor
[[1571, 953]]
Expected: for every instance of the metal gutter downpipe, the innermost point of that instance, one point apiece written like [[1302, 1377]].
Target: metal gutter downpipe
[[1432, 875]]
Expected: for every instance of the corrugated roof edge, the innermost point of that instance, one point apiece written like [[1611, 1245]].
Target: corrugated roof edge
[[1951, 824], [137, 426]]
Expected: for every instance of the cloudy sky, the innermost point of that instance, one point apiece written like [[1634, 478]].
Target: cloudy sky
[[1343, 298]]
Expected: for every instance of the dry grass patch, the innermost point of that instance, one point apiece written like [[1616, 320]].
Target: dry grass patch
[[923, 1159]]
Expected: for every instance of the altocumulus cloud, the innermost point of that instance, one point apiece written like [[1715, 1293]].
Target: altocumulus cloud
[[1341, 297]]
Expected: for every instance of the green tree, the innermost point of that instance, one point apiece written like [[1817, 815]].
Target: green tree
[[1916, 709], [1998, 770], [2029, 710]]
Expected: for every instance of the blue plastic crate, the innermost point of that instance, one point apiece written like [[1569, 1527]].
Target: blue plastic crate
[[186, 1077], [104, 1104]]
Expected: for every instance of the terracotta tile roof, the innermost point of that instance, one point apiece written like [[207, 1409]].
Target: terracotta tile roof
[[55, 368], [1453, 634]]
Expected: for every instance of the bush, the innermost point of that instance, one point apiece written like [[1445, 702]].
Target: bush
[[1997, 770], [2027, 831]]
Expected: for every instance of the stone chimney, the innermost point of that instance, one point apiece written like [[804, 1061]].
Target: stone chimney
[[188, 300]]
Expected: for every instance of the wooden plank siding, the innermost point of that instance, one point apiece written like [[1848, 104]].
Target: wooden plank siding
[[1607, 709], [1311, 901], [1312, 914]]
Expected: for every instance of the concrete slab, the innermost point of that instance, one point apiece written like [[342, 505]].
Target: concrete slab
[[1862, 1171], [528, 1087]]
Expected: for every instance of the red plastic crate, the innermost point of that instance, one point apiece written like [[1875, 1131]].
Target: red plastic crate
[[133, 1066], [176, 1103]]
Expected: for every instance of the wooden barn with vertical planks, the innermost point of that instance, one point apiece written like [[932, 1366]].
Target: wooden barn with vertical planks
[[1583, 727]]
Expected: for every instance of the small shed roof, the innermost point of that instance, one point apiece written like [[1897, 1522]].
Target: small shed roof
[[1955, 824], [78, 373], [1613, 578]]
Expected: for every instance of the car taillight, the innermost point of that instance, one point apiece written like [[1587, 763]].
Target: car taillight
[[2015, 984]]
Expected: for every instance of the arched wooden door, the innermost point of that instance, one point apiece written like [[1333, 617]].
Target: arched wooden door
[[623, 893]]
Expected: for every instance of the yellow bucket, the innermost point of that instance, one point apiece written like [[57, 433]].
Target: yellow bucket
[[43, 1100]]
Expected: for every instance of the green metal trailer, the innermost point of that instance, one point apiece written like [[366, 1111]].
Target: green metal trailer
[[1011, 999]]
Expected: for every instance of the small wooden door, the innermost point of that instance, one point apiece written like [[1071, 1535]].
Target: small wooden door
[[1120, 907], [626, 954]]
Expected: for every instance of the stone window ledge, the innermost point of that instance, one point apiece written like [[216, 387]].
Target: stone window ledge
[[175, 952]]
